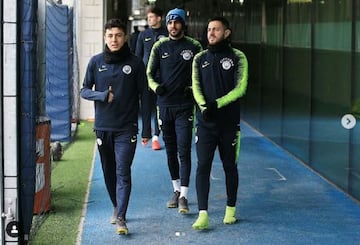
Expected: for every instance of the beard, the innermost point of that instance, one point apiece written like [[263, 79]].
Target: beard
[[176, 34]]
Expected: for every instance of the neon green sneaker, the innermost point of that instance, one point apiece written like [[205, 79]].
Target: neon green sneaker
[[230, 215], [202, 221]]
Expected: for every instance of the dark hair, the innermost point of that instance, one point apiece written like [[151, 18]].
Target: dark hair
[[223, 20], [155, 10], [115, 23]]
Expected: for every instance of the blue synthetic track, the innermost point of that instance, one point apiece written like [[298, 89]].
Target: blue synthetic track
[[280, 201]]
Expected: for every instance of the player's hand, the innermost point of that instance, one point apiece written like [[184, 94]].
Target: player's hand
[[160, 90], [210, 110], [188, 92], [110, 97]]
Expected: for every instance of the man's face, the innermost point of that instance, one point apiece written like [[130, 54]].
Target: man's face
[[174, 28], [115, 38], [216, 32], [153, 20]]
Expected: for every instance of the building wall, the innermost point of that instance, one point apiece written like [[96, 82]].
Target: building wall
[[90, 16]]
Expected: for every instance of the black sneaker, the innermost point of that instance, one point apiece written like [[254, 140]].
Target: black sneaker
[[174, 201], [183, 205], [121, 227]]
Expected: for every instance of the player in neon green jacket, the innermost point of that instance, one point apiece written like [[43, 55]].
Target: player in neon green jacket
[[219, 80]]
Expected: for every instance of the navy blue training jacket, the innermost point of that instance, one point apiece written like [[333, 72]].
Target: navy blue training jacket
[[173, 60], [128, 81], [146, 40], [221, 77]]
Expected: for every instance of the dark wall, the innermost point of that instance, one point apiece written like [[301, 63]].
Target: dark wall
[[303, 76]]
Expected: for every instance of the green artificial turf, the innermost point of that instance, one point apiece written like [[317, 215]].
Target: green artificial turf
[[69, 183]]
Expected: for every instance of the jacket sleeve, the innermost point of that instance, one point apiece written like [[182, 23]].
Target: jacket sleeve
[[142, 86], [139, 51], [87, 91], [241, 78], [196, 87], [141, 82], [153, 66]]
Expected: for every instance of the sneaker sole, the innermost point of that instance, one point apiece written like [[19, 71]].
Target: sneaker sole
[[123, 231], [172, 206], [230, 222], [183, 210], [200, 228], [156, 148]]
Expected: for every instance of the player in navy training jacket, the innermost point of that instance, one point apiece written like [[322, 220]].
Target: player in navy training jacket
[[145, 42], [171, 58], [115, 80]]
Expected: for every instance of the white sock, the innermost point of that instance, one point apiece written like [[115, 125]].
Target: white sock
[[184, 191], [202, 211], [155, 137], [176, 185]]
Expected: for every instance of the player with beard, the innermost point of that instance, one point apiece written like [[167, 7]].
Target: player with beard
[[172, 58], [219, 80]]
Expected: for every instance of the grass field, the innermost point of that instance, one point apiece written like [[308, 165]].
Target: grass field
[[69, 183]]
